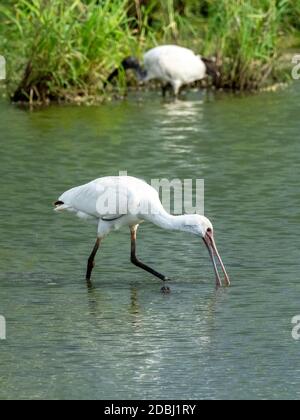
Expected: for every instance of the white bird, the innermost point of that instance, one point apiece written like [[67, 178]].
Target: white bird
[[174, 66], [114, 202]]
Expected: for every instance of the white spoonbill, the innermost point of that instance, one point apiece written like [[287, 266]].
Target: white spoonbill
[[174, 66], [140, 202]]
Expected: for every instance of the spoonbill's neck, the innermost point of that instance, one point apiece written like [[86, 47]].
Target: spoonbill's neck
[[168, 221]]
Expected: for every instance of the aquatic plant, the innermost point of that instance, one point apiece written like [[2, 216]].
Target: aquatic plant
[[61, 49], [64, 49]]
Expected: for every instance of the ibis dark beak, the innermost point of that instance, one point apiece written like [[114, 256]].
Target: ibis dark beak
[[213, 252]]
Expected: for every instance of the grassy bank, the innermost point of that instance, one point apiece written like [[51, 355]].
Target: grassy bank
[[63, 50]]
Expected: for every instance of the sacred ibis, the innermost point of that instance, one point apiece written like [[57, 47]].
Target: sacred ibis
[[173, 65]]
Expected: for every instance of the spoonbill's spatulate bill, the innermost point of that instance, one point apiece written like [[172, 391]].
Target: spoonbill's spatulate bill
[[142, 203], [174, 66]]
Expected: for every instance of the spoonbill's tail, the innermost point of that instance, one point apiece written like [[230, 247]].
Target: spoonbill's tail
[[60, 206]]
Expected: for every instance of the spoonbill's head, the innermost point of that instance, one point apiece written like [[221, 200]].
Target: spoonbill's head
[[201, 226], [197, 225]]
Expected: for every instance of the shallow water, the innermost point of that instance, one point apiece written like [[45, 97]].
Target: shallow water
[[124, 339]]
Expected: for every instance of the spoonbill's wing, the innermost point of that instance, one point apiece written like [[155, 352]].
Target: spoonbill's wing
[[109, 198], [84, 198]]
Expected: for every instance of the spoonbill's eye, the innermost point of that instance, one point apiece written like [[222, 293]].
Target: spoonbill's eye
[[209, 230]]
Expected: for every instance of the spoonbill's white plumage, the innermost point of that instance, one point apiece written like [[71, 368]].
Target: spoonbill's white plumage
[[142, 203], [173, 65]]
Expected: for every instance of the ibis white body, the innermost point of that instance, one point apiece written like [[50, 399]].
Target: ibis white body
[[174, 65]]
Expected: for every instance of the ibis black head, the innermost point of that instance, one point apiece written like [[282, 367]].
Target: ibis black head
[[133, 63], [130, 63], [127, 64], [212, 69]]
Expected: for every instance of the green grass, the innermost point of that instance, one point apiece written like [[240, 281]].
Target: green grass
[[245, 36], [63, 50]]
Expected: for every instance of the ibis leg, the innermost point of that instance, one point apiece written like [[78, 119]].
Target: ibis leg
[[165, 89], [91, 261], [136, 261]]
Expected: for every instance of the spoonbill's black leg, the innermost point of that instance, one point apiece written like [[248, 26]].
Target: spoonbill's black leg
[[138, 263], [91, 261]]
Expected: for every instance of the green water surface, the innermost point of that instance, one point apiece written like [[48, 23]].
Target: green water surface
[[124, 339]]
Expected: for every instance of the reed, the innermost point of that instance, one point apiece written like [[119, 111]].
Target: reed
[[63, 50]]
